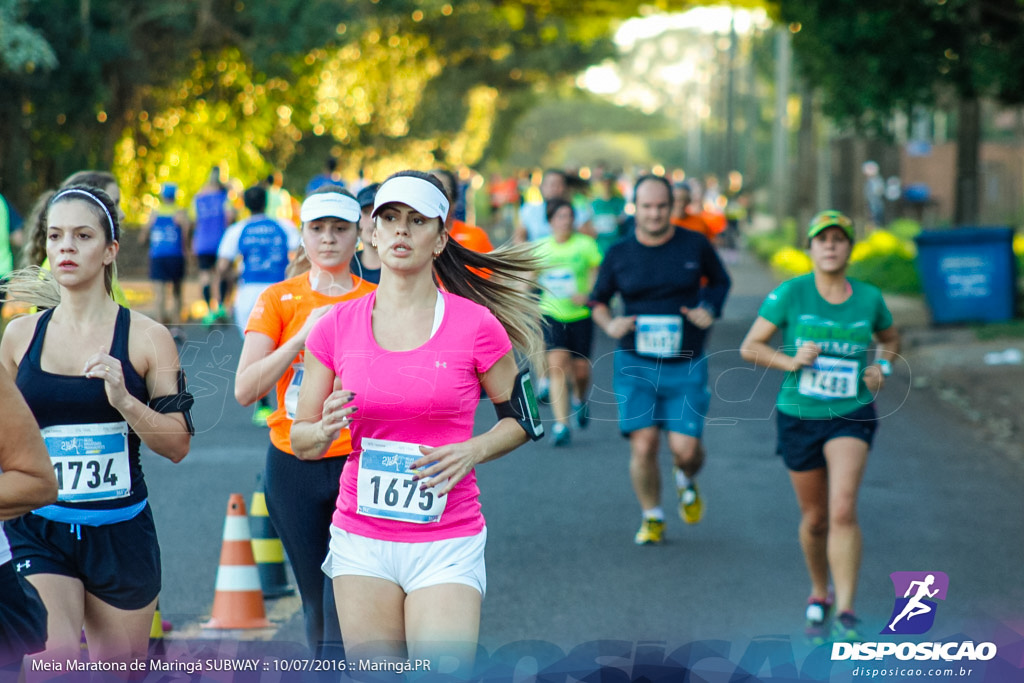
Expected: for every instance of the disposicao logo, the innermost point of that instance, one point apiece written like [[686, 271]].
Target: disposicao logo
[[914, 610], [913, 614]]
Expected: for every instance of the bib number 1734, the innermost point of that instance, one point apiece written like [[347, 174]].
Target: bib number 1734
[[89, 460]]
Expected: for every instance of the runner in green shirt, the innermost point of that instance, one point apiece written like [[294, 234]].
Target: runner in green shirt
[[571, 260], [826, 414]]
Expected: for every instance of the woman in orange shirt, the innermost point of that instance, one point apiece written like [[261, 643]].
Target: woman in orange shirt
[[301, 494]]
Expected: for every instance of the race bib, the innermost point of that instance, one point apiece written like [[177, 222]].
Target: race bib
[[560, 282], [830, 378], [385, 486], [90, 461], [659, 335], [291, 394]]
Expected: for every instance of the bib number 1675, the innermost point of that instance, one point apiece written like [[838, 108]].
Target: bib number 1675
[[400, 493], [386, 486]]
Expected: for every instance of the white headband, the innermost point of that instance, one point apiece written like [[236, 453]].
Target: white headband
[[418, 193], [110, 220], [332, 204]]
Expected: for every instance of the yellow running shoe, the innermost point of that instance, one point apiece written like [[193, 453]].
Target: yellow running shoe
[[691, 505], [652, 532]]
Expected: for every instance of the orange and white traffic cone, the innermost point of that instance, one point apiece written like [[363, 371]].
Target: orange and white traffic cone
[[238, 600]]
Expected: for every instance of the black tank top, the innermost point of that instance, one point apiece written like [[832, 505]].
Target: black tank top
[[79, 400]]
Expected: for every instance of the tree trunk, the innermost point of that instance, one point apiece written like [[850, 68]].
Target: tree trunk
[[806, 191], [968, 199]]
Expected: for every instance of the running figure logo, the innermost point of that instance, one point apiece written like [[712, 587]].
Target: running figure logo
[[914, 613]]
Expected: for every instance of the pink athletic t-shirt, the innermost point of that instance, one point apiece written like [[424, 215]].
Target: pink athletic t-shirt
[[424, 396]]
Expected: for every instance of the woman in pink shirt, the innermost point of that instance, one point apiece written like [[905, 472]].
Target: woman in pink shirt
[[402, 368]]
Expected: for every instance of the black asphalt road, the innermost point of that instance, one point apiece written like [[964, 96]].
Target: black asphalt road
[[562, 567]]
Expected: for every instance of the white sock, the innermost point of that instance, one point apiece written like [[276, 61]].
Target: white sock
[[654, 513], [682, 481]]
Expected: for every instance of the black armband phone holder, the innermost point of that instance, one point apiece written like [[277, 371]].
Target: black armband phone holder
[[522, 406], [180, 402]]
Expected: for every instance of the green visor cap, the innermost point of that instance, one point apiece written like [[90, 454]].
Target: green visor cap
[[828, 219]]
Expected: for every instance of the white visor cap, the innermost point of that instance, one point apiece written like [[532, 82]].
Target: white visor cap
[[418, 193], [329, 204]]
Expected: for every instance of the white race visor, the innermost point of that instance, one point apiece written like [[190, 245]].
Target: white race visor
[[329, 204], [418, 193]]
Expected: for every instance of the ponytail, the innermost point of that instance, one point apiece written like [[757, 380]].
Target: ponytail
[[32, 286], [500, 281]]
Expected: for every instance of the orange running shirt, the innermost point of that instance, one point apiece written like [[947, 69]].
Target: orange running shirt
[[280, 313], [471, 237], [474, 239], [695, 223]]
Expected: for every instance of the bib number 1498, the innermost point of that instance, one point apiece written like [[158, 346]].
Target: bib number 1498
[[830, 378]]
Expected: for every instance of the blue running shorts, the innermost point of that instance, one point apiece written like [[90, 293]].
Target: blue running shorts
[[672, 395]]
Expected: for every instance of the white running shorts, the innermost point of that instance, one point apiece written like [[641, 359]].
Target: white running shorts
[[410, 565]]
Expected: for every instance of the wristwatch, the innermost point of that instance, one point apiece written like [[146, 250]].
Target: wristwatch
[[885, 366]]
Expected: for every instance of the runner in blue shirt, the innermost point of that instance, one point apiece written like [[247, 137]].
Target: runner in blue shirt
[[672, 286], [264, 245], [166, 232], [211, 213]]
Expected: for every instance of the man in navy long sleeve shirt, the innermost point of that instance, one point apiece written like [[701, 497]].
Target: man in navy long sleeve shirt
[[673, 286]]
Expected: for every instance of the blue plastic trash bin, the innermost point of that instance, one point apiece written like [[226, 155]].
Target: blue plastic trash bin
[[968, 274]]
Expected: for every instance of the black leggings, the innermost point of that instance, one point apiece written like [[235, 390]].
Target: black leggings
[[301, 498]]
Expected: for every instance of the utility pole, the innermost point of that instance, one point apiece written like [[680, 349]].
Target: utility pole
[[730, 102], [780, 131]]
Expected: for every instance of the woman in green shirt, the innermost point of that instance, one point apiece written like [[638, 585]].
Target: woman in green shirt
[[825, 409], [570, 266]]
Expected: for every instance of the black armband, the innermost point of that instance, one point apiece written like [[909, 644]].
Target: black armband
[[522, 407], [180, 402]]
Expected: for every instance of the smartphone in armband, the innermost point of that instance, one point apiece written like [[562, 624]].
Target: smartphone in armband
[[187, 413], [525, 402]]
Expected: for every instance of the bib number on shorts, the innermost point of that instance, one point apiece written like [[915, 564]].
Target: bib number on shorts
[[560, 282], [90, 461], [291, 394], [659, 336], [830, 378], [385, 486]]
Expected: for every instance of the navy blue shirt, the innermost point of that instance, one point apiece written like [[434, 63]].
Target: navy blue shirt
[[659, 280]]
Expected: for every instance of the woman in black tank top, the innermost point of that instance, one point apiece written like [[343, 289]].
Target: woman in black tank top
[[89, 371]]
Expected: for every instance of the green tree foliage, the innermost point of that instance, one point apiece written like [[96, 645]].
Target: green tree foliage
[[873, 57], [164, 89], [560, 118], [22, 48]]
